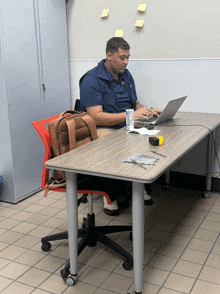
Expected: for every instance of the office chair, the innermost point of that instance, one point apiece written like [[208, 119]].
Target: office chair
[[89, 233]]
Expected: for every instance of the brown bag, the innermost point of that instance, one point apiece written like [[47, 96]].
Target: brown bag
[[67, 133]]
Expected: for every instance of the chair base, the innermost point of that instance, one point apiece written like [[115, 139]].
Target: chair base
[[91, 234]]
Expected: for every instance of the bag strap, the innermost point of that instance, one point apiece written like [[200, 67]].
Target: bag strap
[[72, 133], [54, 185], [91, 125]]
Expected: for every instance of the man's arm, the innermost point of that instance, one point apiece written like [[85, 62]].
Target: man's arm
[[111, 119]]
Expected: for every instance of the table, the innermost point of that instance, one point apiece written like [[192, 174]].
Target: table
[[104, 157]]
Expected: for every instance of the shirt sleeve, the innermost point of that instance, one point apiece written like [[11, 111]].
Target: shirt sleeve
[[90, 92]]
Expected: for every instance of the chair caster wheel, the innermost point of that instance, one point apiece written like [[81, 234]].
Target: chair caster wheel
[[70, 281], [127, 265], [206, 194], [131, 236], [46, 247]]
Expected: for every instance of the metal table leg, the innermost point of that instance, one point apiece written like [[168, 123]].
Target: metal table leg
[[72, 217], [138, 233], [209, 164]]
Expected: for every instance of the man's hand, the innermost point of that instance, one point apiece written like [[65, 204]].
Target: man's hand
[[146, 112]]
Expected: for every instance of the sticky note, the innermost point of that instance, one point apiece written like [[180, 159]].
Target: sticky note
[[118, 33], [139, 23], [142, 6], [105, 12]]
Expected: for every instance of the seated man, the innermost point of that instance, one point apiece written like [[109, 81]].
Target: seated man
[[106, 91]]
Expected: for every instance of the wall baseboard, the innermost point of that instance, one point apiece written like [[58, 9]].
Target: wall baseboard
[[189, 181]]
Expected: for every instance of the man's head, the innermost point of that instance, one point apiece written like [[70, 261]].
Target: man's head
[[117, 53]]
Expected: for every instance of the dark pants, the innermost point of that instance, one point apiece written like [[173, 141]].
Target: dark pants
[[114, 188]]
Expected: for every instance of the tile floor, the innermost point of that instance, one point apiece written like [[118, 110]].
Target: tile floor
[[182, 247]]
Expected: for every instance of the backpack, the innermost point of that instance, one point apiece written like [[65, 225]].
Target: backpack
[[71, 130]]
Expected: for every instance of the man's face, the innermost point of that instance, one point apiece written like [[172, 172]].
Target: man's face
[[118, 60]]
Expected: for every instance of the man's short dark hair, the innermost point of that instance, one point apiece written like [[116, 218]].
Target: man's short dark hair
[[116, 42]]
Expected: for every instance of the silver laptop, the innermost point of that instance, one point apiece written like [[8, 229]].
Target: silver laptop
[[168, 113]]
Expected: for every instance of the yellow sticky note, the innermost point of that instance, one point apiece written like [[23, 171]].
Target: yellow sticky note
[[139, 23], [118, 33], [105, 12], [142, 6]]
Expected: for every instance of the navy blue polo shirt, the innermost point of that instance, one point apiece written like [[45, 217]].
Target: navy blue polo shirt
[[98, 87]]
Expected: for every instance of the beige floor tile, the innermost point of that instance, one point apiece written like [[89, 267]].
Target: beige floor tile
[[200, 245], [157, 235], [212, 226], [191, 221], [103, 291], [38, 291], [202, 287], [41, 231], [154, 276], [199, 214], [194, 256], [9, 223], [210, 274], [213, 217], [177, 239], [61, 251], [46, 201], [4, 262], [27, 241], [30, 257], [171, 250], [3, 246], [179, 283], [24, 228], [35, 208], [54, 284], [147, 288], [162, 262], [22, 215], [34, 277], [37, 219], [50, 263], [12, 252], [169, 291], [88, 257], [206, 235], [59, 204], [81, 288], [2, 231], [10, 237], [187, 268], [8, 212], [213, 261], [94, 276], [61, 214], [215, 209], [151, 245], [121, 271], [117, 283], [4, 282], [105, 263], [18, 288], [164, 226], [54, 222], [184, 230], [216, 249], [14, 270], [51, 211]]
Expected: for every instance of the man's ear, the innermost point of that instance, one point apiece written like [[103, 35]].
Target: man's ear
[[109, 56]]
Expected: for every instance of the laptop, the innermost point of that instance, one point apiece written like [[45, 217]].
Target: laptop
[[168, 113]]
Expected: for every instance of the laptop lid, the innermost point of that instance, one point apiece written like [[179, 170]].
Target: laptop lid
[[169, 111]]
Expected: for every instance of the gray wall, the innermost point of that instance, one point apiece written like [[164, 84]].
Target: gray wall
[[172, 29]]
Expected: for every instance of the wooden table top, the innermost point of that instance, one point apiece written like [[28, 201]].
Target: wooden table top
[[105, 156]]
